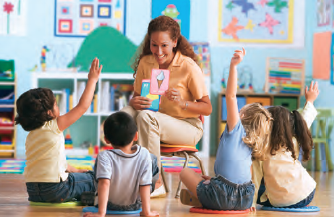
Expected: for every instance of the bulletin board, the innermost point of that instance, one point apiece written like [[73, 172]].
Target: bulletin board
[[256, 21], [179, 10], [322, 55], [285, 76], [77, 18]]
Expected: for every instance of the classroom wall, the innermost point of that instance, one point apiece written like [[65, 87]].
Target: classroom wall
[[40, 31]]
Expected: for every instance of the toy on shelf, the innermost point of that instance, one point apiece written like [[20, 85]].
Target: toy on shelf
[[43, 57], [68, 141]]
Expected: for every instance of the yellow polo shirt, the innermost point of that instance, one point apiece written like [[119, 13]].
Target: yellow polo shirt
[[185, 76], [45, 152]]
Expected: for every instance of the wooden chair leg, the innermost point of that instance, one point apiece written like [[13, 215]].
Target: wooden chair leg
[[184, 166], [317, 157], [328, 157], [164, 179], [200, 162]]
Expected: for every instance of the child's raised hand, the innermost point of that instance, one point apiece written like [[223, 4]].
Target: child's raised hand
[[312, 93], [95, 70], [238, 57]]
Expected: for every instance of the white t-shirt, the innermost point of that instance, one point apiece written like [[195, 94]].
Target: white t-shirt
[[126, 173], [45, 151]]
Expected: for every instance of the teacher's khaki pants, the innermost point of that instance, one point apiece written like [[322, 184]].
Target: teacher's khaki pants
[[154, 127]]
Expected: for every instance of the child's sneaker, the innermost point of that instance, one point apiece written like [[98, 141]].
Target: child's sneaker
[[188, 198], [159, 192], [88, 198]]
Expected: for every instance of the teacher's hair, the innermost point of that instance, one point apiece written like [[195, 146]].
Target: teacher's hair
[[164, 24]]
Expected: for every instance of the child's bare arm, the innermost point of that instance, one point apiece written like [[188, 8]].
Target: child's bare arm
[[103, 193], [312, 93], [72, 116], [231, 90], [145, 198]]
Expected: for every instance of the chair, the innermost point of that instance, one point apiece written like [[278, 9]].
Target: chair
[[323, 125], [181, 150]]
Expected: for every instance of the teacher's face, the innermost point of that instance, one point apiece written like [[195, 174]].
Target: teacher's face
[[161, 46]]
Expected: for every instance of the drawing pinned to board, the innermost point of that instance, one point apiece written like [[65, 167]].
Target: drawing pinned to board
[[256, 21], [13, 17], [79, 18], [323, 12], [176, 9]]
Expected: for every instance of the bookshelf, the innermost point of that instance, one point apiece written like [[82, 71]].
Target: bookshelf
[[7, 109], [88, 128]]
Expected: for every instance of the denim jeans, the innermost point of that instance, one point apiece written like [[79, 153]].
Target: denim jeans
[[222, 194], [300, 204], [68, 190], [155, 171]]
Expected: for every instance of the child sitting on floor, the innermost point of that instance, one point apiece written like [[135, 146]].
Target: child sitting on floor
[[285, 182], [245, 136], [48, 177], [124, 174]]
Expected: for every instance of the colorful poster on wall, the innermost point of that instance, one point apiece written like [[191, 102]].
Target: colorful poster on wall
[[256, 21], [323, 12], [13, 15], [77, 18], [321, 55], [203, 53], [179, 10]]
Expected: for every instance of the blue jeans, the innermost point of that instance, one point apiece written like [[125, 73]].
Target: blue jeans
[[68, 190], [300, 204], [222, 194]]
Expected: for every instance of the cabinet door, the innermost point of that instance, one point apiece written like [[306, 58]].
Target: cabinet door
[[290, 103], [241, 103], [264, 101]]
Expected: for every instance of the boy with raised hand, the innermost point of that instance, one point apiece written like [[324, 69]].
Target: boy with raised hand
[[124, 174]]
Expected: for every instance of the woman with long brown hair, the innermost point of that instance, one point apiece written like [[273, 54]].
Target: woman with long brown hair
[[177, 121]]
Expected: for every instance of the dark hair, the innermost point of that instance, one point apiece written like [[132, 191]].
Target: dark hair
[[120, 129], [287, 125], [32, 108], [163, 24]]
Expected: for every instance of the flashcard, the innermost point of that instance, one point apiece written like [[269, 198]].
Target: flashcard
[[145, 91], [159, 81]]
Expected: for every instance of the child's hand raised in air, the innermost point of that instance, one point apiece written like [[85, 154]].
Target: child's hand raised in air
[[238, 57], [95, 70], [312, 93]]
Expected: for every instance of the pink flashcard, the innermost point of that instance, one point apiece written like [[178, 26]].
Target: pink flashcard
[[159, 81]]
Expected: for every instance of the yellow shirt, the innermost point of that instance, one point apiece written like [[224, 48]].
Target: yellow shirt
[[185, 76], [287, 181], [45, 152]]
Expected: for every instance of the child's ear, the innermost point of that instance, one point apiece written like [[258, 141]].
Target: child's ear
[[107, 141], [136, 137], [50, 113]]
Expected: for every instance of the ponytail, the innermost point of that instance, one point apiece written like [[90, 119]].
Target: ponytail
[[302, 134]]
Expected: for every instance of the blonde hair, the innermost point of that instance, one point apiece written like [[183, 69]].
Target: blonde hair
[[257, 123]]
